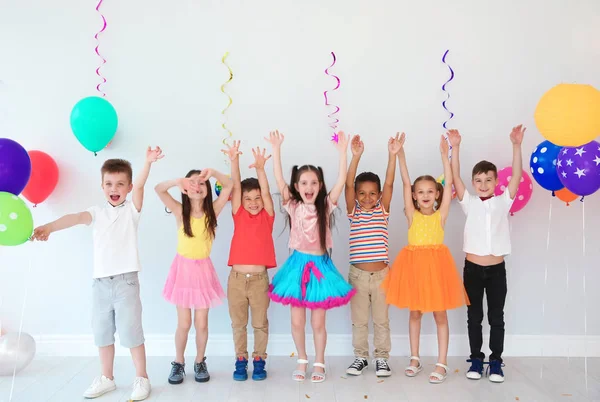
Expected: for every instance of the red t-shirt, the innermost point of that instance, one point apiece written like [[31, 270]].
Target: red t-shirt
[[252, 242]]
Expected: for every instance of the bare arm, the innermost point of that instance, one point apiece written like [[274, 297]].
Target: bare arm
[[516, 137], [162, 189], [276, 139], [447, 197], [409, 206], [236, 192], [43, 232], [225, 181], [390, 173], [265, 192], [342, 146], [152, 155], [459, 186], [357, 147]]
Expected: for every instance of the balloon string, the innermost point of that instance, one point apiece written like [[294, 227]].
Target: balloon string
[[26, 286], [545, 284], [584, 299], [96, 49]]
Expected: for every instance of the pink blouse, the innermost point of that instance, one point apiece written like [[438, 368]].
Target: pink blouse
[[304, 234]]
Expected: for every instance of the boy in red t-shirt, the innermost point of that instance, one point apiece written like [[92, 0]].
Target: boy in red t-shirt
[[252, 253]]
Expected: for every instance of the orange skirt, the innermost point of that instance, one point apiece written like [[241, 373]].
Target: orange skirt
[[424, 278]]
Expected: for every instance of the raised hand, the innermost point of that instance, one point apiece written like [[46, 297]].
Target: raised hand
[[152, 155], [186, 184], [41, 233], [396, 143], [454, 137], [444, 146], [275, 138], [517, 133], [259, 158], [205, 174], [233, 151], [357, 146], [342, 143]]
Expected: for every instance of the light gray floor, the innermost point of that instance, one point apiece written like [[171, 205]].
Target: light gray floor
[[527, 379]]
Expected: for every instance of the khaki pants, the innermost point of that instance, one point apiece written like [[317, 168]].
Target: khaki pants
[[369, 296], [243, 291]]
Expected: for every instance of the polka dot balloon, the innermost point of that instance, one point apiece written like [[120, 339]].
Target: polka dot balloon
[[523, 192], [543, 166], [16, 223]]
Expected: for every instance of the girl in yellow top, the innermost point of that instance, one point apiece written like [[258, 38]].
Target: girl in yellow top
[[423, 277], [192, 281]]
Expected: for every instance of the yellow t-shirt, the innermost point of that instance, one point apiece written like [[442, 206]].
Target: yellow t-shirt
[[426, 230], [197, 247]]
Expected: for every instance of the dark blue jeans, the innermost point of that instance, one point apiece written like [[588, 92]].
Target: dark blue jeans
[[490, 280]]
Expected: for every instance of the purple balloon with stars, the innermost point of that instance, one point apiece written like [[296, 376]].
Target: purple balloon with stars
[[579, 168]]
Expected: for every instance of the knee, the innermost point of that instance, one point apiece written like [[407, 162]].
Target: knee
[[440, 317], [298, 324], [415, 316], [201, 326], [184, 325], [496, 317], [475, 315], [318, 326]]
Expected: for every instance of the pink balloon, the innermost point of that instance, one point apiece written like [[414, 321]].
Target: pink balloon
[[523, 192]]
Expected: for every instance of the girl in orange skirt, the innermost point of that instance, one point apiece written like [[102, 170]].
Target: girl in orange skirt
[[423, 277]]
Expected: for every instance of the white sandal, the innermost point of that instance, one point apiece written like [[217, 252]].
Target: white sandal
[[412, 371], [318, 377], [439, 378], [299, 373]]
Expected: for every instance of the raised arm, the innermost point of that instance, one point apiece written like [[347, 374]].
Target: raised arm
[[390, 173], [43, 232], [459, 186], [152, 155], [276, 139], [357, 147], [447, 197], [233, 152], [225, 181], [516, 137], [409, 206], [162, 190], [265, 192], [342, 146]]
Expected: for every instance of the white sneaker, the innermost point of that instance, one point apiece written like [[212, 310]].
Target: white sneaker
[[141, 389], [100, 386]]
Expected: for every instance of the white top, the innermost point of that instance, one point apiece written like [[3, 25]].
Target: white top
[[486, 229], [115, 239]]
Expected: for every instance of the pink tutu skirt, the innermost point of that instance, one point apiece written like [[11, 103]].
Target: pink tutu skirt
[[193, 284]]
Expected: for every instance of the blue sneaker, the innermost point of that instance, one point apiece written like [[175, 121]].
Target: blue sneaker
[[259, 372], [495, 371], [241, 369], [476, 370]]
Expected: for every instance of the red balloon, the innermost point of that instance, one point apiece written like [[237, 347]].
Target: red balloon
[[44, 177]]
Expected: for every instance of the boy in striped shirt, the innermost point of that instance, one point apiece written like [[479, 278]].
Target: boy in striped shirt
[[368, 210]]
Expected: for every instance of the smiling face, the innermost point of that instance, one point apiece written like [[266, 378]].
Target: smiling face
[[116, 186], [485, 183], [425, 193], [200, 193], [308, 186], [252, 201], [367, 194]]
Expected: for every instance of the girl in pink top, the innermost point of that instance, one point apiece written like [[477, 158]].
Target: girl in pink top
[[308, 279]]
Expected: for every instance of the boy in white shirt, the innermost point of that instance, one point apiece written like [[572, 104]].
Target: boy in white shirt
[[486, 243], [116, 291]]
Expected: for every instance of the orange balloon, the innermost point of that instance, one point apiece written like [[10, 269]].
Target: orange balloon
[[565, 195]]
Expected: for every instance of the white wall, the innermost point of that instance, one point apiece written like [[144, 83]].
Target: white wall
[[164, 73]]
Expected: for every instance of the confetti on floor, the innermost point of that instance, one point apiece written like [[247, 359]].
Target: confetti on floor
[[379, 382], [366, 397], [344, 378], [457, 371], [293, 354], [566, 395], [517, 398], [307, 397]]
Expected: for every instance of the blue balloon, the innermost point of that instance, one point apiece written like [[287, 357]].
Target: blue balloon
[[543, 166]]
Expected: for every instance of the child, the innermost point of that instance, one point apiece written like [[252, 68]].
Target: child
[[486, 242], [192, 282], [116, 303], [308, 279], [252, 253], [423, 277], [369, 213]]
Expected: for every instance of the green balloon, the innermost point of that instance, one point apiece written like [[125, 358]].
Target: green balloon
[[16, 223], [94, 122]]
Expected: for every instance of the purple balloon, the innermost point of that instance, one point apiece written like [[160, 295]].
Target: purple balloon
[[15, 166], [579, 168]]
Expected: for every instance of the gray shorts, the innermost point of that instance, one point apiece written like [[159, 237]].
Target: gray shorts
[[117, 306]]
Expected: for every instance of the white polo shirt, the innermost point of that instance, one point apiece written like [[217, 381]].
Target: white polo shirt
[[486, 230], [115, 239]]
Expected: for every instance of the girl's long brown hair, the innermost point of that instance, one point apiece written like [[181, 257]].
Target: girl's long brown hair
[[207, 208]]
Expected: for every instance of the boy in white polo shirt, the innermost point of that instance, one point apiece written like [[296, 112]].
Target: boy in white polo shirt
[[486, 243], [115, 292]]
